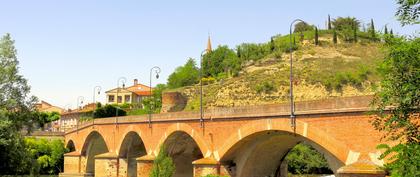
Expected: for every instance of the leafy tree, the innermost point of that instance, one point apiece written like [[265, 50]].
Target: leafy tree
[[221, 60], [301, 27], [354, 35], [344, 23], [184, 75], [108, 111], [304, 159], [316, 36], [46, 117], [163, 166], [47, 155], [397, 102], [154, 103], [16, 108], [408, 11], [346, 26]]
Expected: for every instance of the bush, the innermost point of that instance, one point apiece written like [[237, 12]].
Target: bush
[[265, 87], [163, 166], [304, 159], [108, 111], [208, 80]]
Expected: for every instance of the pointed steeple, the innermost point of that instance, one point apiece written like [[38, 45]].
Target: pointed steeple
[[209, 45]]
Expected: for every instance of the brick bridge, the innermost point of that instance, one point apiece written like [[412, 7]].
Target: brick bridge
[[238, 142]]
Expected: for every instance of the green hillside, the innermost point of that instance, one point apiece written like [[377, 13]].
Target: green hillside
[[253, 74]]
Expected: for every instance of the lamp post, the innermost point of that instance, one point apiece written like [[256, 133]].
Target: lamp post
[[95, 89], [292, 103], [201, 89], [120, 80], [80, 100], [157, 71]]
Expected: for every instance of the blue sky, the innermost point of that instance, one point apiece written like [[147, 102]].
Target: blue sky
[[67, 48]]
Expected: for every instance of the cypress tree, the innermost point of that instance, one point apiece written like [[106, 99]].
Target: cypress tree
[[391, 33], [316, 36], [334, 36], [329, 22], [386, 30], [372, 30]]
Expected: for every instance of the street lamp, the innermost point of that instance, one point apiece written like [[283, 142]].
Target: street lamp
[[95, 89], [157, 71], [80, 100], [292, 103], [201, 89], [120, 80]]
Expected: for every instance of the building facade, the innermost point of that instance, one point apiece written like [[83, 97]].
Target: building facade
[[132, 94]]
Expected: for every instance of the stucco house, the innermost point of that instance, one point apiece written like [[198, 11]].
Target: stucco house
[[132, 94]]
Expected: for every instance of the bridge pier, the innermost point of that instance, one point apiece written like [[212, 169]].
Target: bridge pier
[[206, 166], [106, 165], [361, 168], [73, 165], [144, 165]]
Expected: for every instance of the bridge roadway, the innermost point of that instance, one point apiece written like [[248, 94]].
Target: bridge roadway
[[247, 141]]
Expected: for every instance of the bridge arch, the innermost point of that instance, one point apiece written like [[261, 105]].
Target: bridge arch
[[131, 147], [195, 135], [94, 144], [258, 148], [184, 146], [70, 145]]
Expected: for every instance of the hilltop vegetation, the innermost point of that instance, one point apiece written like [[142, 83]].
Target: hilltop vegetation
[[335, 62]]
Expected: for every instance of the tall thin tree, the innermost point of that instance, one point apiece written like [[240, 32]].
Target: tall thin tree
[[316, 36], [329, 22]]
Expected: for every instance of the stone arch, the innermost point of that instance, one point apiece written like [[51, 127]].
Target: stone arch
[[183, 149], [266, 142], [94, 144], [70, 146], [131, 147], [195, 135]]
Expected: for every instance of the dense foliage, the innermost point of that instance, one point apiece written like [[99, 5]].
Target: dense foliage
[[184, 75], [346, 27], [397, 102], [108, 111], [46, 117], [301, 27], [221, 62], [408, 11], [304, 159], [47, 155], [16, 110], [154, 104], [163, 166]]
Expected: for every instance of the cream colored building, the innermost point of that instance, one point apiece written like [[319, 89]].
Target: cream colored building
[[132, 94]]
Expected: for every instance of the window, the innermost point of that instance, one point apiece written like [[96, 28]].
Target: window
[[127, 98], [111, 98], [119, 99]]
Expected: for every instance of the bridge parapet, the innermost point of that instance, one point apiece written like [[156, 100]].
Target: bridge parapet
[[328, 106]]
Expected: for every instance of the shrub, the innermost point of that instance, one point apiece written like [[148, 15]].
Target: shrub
[[108, 111], [265, 87], [208, 80], [163, 166]]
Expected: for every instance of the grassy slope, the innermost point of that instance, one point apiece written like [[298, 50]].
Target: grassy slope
[[324, 71]]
